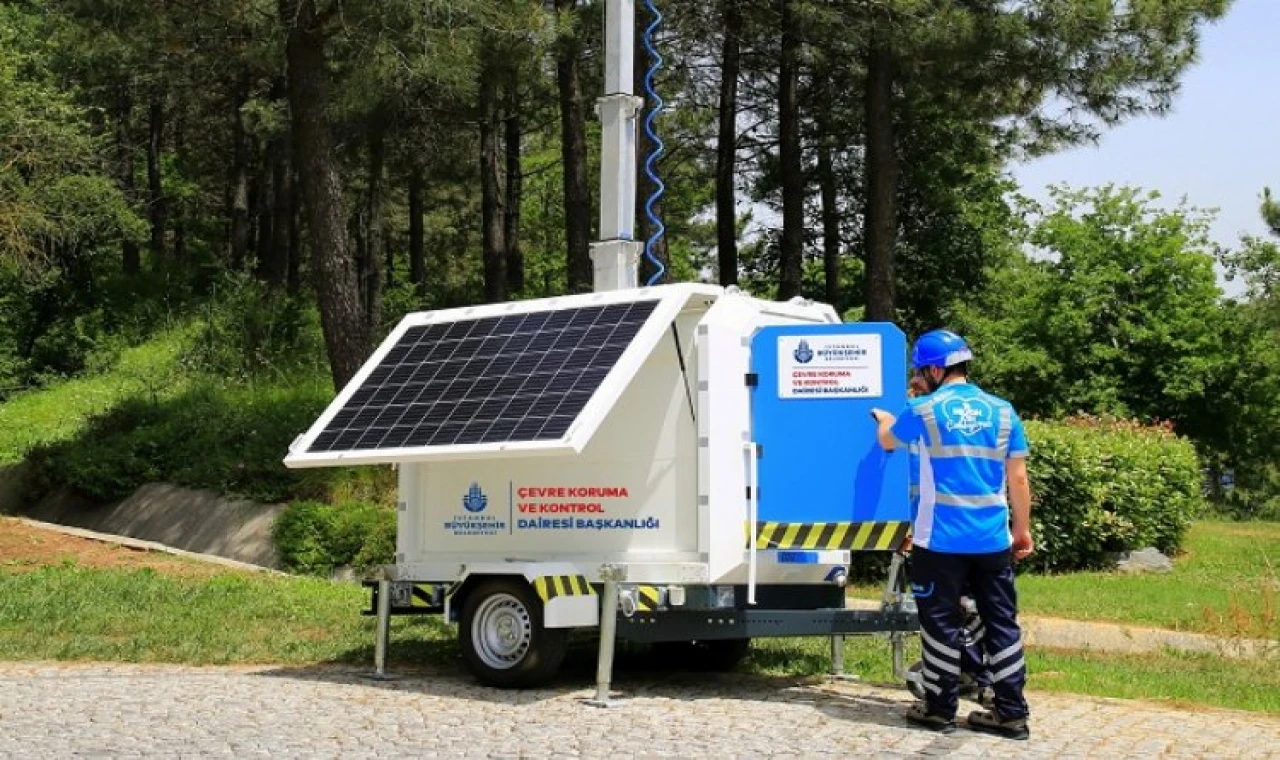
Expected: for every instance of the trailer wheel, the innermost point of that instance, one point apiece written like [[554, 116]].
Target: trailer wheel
[[503, 639], [707, 655]]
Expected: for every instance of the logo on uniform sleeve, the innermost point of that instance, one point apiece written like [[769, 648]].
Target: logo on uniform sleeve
[[968, 415], [475, 500], [803, 353]]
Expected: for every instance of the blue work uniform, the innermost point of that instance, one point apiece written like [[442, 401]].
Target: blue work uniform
[[972, 658], [961, 539]]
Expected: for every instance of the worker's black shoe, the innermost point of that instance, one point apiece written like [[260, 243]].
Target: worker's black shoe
[[992, 723], [919, 715]]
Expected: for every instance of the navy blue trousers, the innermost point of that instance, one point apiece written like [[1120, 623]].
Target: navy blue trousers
[[973, 661], [938, 580]]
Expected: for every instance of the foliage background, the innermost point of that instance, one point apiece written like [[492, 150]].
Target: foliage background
[[191, 254]]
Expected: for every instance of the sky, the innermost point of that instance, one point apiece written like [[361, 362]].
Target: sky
[[1217, 147]]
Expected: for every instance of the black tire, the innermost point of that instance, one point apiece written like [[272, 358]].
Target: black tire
[[710, 655], [503, 639]]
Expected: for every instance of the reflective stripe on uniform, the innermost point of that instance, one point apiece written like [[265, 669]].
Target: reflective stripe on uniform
[[970, 500], [964, 450], [1006, 428]]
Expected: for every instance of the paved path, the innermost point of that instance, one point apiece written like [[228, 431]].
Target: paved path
[[60, 710]]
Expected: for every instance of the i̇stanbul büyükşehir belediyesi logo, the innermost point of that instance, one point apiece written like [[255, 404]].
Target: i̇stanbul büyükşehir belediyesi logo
[[803, 353], [474, 500]]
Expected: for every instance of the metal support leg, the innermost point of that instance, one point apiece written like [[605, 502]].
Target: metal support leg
[[837, 659], [893, 587], [608, 637], [898, 641], [382, 637], [611, 575], [896, 597]]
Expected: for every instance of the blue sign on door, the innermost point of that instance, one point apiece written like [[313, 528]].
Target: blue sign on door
[[811, 415]]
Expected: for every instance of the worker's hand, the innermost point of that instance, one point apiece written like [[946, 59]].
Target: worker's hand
[[1023, 545], [882, 417], [906, 545]]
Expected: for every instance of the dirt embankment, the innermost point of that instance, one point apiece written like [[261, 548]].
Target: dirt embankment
[[25, 547], [195, 521]]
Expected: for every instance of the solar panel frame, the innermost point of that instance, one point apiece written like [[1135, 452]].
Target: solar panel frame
[[556, 434]]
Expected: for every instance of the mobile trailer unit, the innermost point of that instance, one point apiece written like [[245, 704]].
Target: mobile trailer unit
[[701, 455]]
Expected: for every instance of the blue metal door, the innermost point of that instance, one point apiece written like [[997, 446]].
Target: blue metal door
[[810, 414]]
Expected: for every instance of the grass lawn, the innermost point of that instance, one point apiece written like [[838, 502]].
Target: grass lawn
[[1226, 582], [68, 611], [61, 411], [63, 600]]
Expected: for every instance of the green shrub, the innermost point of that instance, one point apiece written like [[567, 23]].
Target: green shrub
[[1256, 495], [1101, 486], [315, 538], [249, 331], [225, 437]]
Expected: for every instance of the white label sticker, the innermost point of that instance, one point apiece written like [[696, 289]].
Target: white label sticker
[[830, 366]]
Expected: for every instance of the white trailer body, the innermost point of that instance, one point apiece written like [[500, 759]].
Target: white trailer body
[[652, 475], [619, 438]]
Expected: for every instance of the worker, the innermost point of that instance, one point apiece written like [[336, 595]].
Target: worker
[[975, 679], [966, 532]]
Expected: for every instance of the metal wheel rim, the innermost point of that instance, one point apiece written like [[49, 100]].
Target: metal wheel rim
[[502, 632]]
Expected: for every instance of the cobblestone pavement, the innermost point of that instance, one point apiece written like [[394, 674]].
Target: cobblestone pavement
[[61, 710]]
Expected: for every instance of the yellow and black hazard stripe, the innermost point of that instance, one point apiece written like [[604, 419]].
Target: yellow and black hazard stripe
[[427, 594], [551, 586], [853, 536], [648, 598], [424, 595], [409, 598]]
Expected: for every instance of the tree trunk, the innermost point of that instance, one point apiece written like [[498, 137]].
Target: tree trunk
[[358, 234], [494, 249], [275, 256], [388, 262], [417, 253], [880, 217], [573, 152], [830, 220], [789, 159], [345, 330], [131, 259], [156, 206], [263, 205], [515, 184], [294, 278], [727, 145], [179, 211], [373, 221], [238, 193]]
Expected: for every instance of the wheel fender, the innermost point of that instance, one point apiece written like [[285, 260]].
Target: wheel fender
[[572, 612], [568, 598]]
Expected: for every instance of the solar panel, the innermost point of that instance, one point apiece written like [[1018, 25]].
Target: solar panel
[[515, 377]]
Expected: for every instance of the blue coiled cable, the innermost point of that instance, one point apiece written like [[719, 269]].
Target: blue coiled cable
[[657, 146]]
